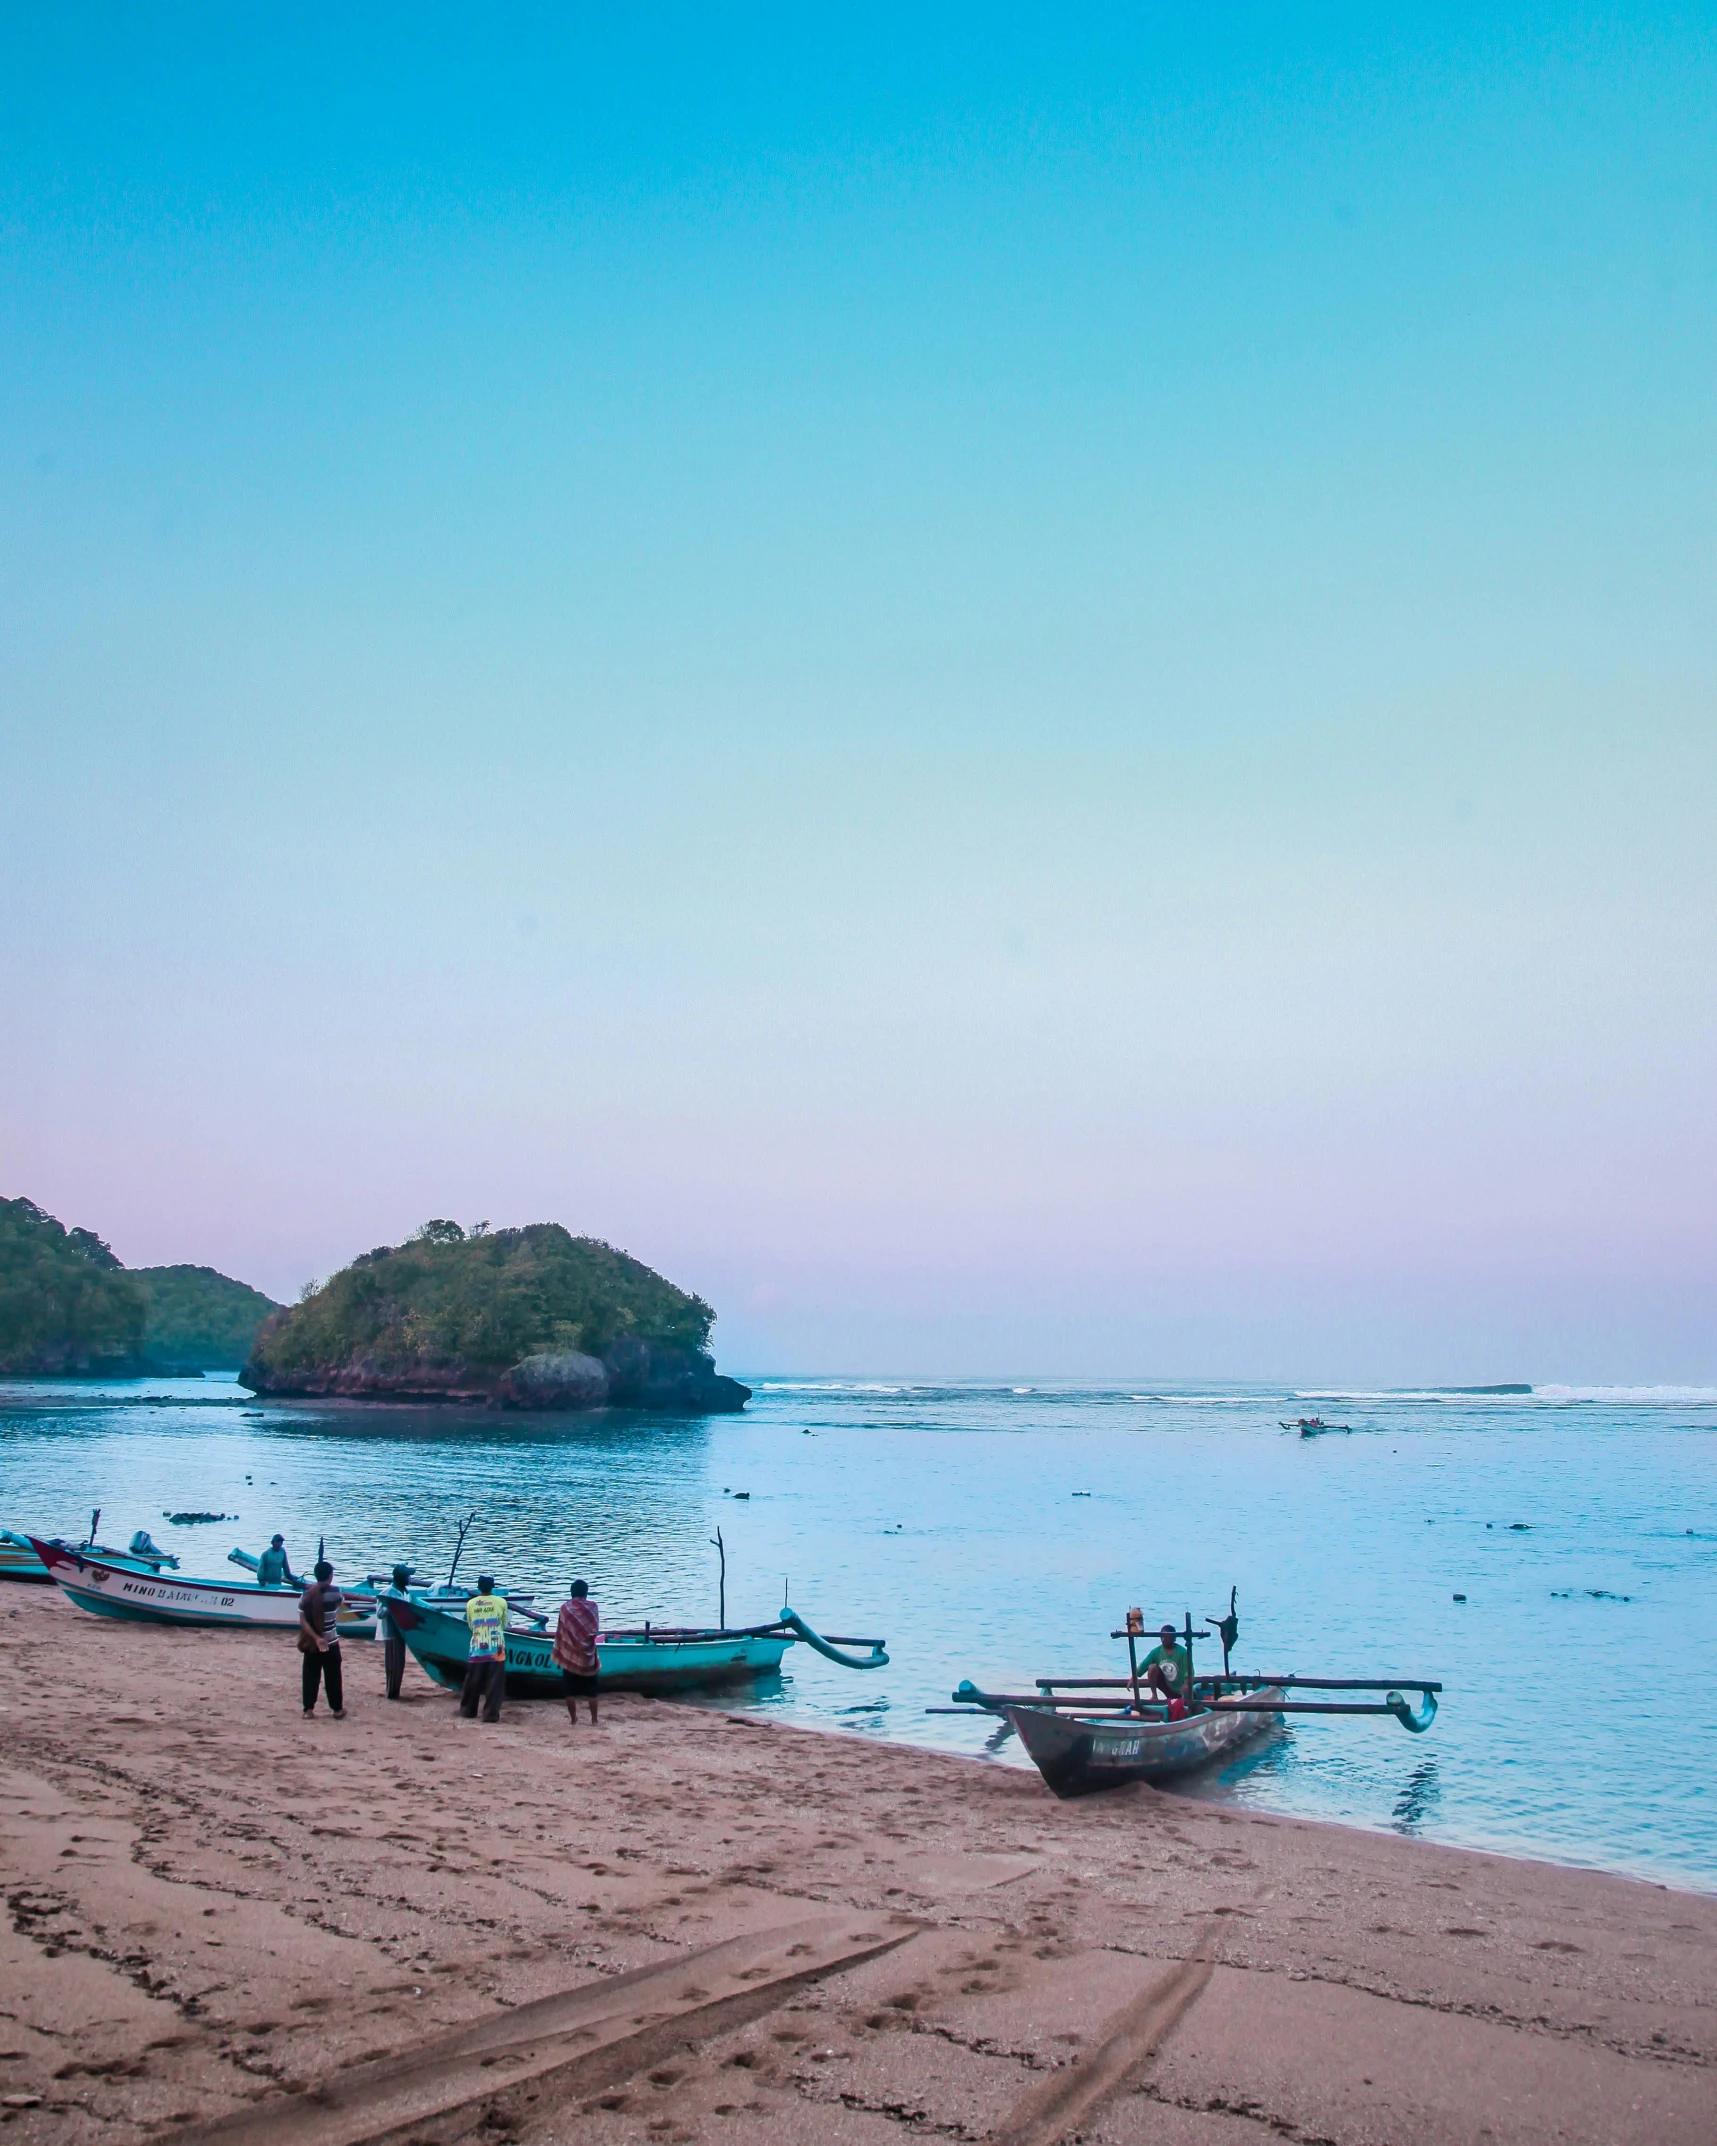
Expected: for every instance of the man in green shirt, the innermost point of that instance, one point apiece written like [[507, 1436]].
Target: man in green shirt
[[1167, 1670], [274, 1567]]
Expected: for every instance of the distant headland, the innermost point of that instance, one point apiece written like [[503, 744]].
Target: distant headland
[[529, 1318], [67, 1306]]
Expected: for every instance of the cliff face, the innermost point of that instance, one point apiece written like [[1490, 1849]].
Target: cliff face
[[532, 1318]]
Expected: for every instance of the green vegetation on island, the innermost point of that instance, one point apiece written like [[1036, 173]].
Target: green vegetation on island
[[532, 1318], [199, 1319], [67, 1305]]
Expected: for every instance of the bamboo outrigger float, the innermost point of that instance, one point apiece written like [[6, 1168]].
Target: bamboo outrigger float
[[1090, 1733]]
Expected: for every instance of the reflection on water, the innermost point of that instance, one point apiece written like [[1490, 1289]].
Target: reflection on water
[[999, 1534], [1418, 1799]]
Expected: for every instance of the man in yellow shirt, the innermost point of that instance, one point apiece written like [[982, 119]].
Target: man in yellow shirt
[[486, 1660]]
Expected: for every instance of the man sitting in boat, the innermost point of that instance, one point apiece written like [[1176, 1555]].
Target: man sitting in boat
[[1167, 1669]]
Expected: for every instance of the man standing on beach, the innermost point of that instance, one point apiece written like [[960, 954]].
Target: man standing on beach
[[393, 1639], [1168, 1671], [486, 1662], [575, 1649], [319, 1641]]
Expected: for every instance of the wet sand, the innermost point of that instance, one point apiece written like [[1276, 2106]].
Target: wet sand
[[687, 1925]]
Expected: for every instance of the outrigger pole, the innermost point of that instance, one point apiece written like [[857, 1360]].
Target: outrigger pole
[[1251, 1677]]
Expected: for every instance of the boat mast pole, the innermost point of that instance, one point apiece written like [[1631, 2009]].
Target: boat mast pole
[[1135, 1625], [459, 1548], [721, 1552]]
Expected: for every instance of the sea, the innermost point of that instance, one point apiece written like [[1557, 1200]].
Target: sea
[[1548, 1555]]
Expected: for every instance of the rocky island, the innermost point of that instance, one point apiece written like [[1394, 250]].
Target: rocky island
[[530, 1318]]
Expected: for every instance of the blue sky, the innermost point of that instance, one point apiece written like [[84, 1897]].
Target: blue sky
[[1024, 694]]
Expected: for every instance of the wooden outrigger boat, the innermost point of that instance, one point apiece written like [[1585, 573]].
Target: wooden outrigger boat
[[650, 1658], [109, 1586], [1090, 1733], [1077, 1754]]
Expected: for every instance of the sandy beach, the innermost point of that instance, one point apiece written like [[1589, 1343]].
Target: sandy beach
[[226, 1921]]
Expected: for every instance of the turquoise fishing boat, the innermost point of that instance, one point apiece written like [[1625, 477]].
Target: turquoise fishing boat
[[18, 1560], [648, 1658]]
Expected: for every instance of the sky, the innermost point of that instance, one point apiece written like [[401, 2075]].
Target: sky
[[1022, 690]]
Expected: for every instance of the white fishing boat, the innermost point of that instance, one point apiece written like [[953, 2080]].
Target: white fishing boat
[[18, 1559], [106, 1588]]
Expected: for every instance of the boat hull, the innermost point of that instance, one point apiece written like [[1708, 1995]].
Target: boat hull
[[18, 1560], [1081, 1758], [135, 1595], [441, 1644]]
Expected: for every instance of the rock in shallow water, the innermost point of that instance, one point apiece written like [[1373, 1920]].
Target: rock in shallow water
[[556, 1378]]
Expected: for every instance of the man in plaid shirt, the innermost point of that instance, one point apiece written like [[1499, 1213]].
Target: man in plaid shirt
[[575, 1649]]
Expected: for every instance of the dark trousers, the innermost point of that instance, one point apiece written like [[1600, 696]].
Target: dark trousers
[[485, 1679], [322, 1668], [393, 1659]]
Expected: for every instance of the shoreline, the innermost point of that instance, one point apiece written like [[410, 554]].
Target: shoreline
[[686, 1925], [1188, 1791]]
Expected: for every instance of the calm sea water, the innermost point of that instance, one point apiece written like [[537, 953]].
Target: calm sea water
[[1000, 1532]]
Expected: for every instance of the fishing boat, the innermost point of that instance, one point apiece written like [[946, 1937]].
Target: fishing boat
[[106, 1586], [1080, 1753], [647, 1658], [1313, 1426], [1090, 1733], [18, 1559]]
